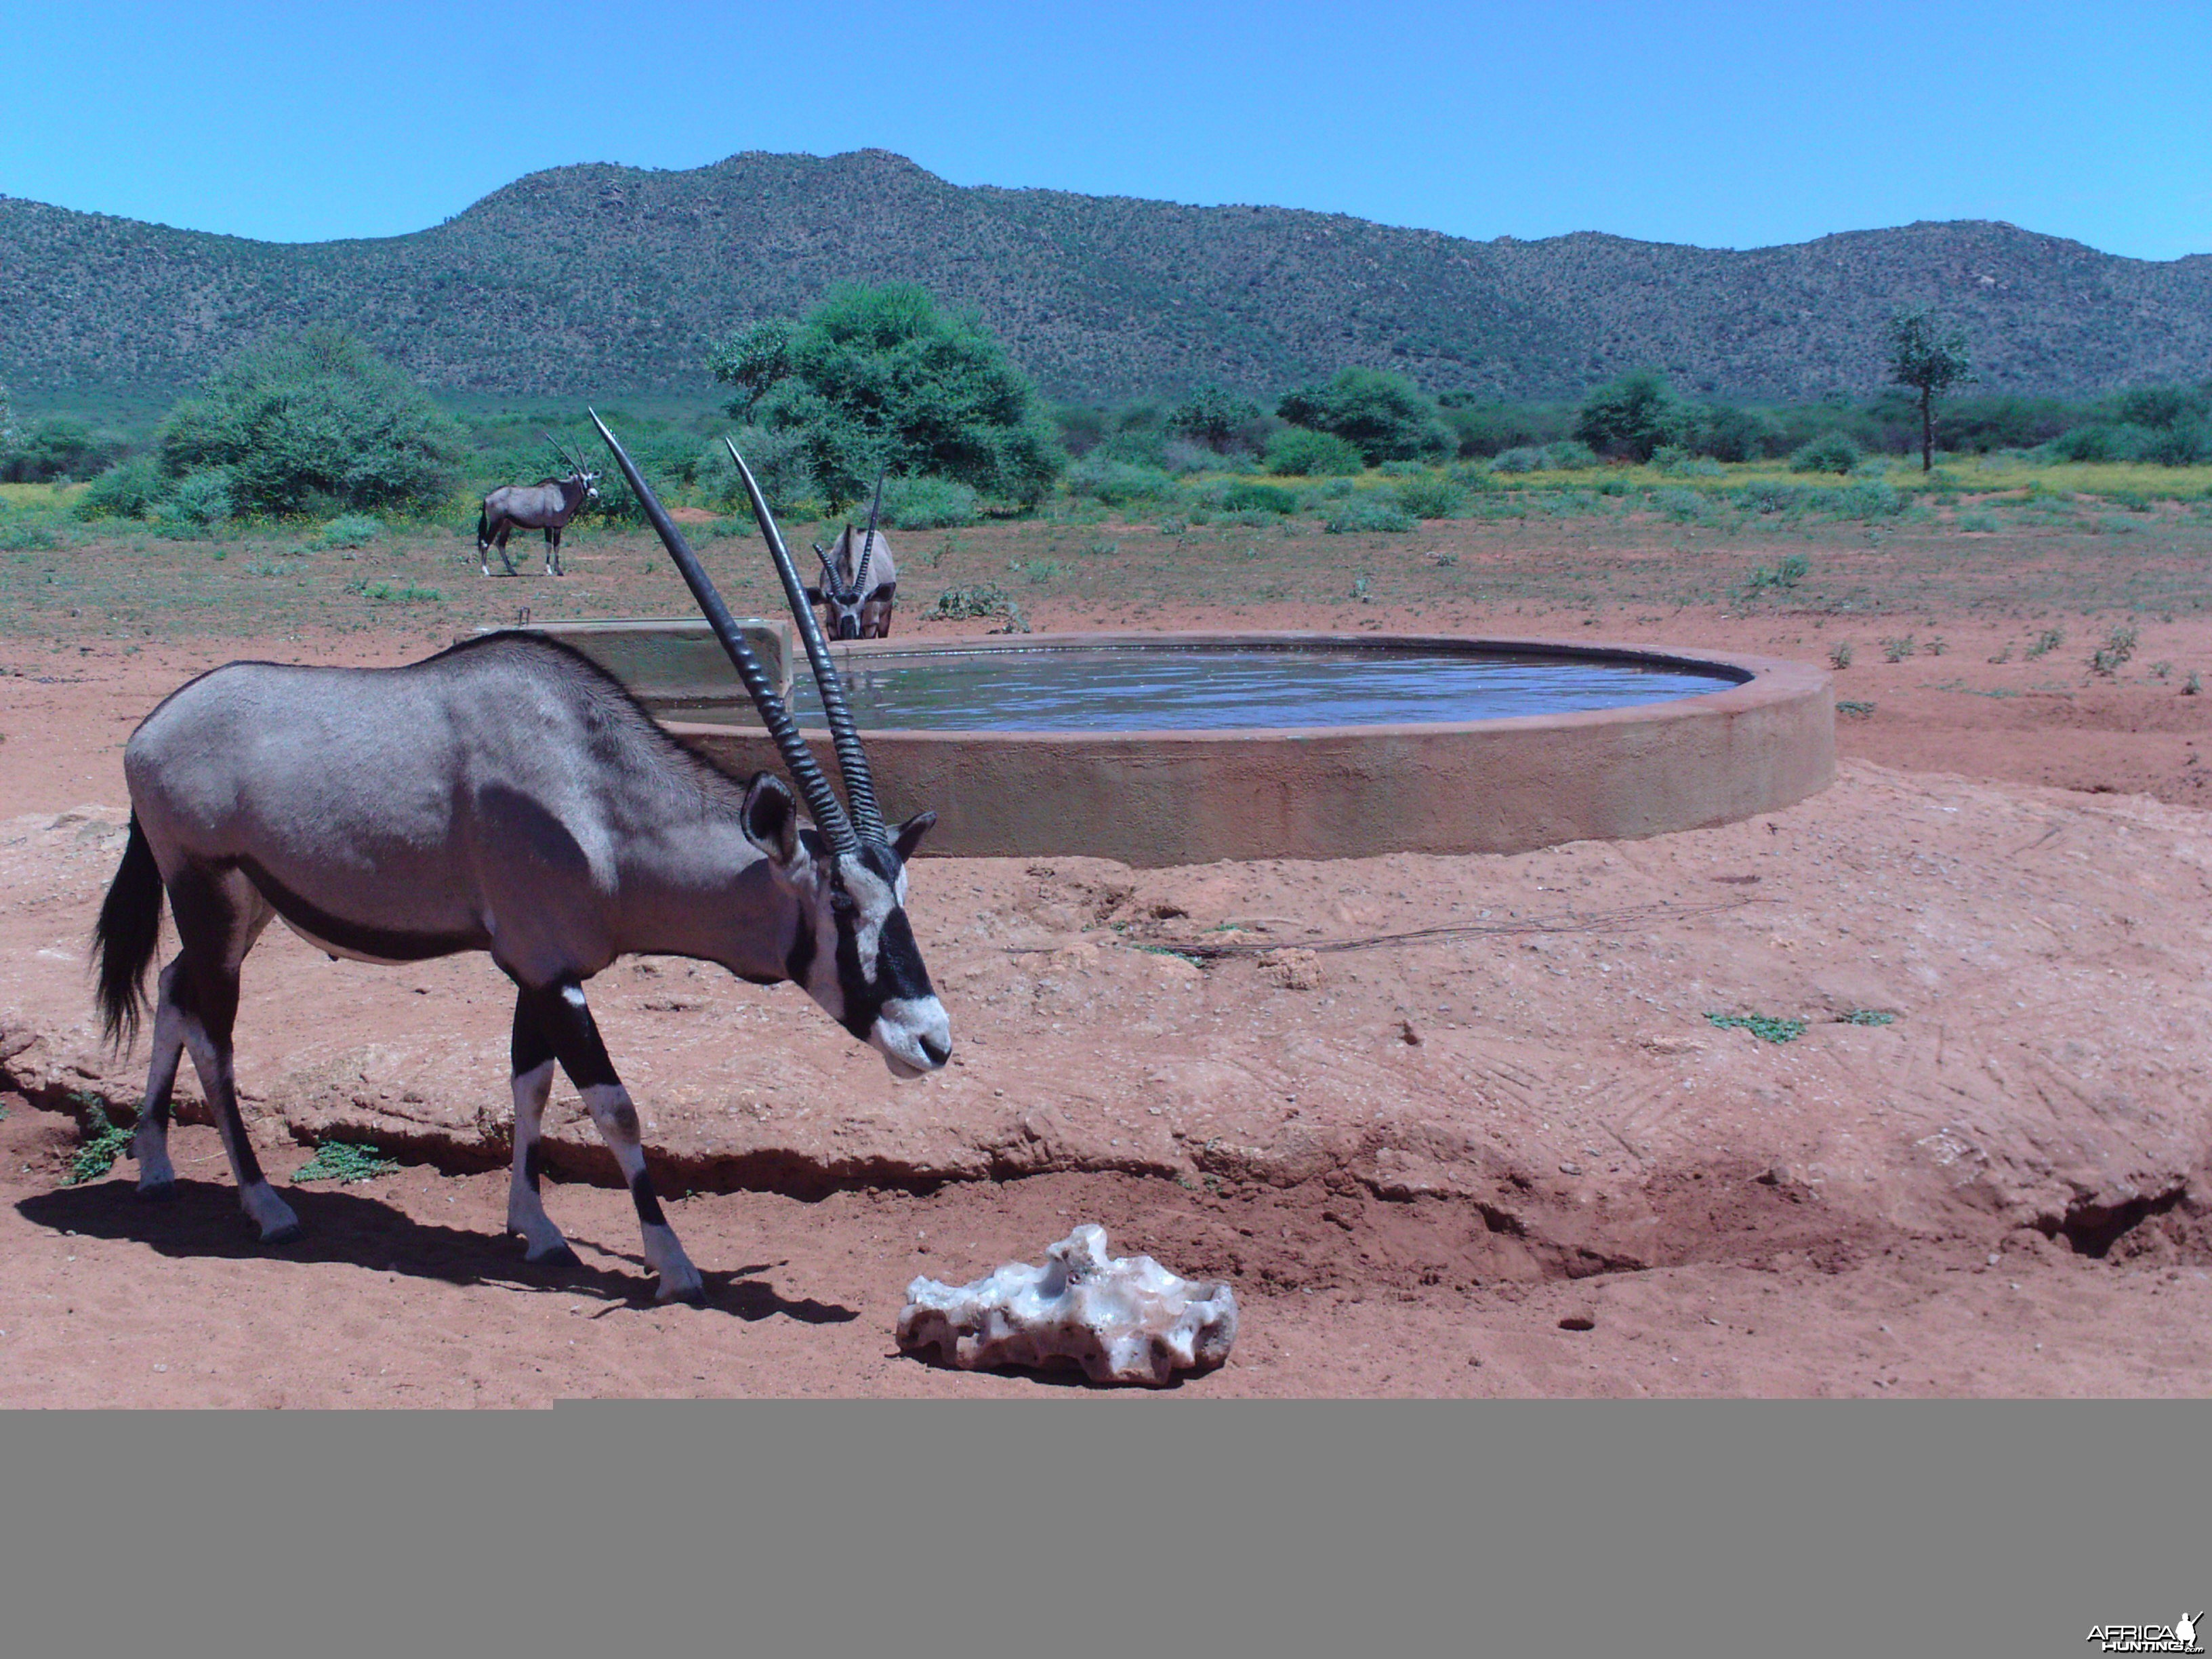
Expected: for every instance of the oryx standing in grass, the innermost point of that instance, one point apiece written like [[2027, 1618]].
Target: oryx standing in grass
[[860, 579], [504, 796], [547, 504]]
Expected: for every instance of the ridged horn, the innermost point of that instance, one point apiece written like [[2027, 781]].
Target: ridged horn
[[799, 760], [859, 788], [868, 542]]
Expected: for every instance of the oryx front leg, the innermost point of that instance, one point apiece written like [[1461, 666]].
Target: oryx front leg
[[575, 1038], [533, 1081], [157, 1177]]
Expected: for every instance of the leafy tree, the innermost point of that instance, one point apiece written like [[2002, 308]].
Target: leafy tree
[[1633, 414], [1386, 416], [1727, 433], [1214, 418], [6, 423], [60, 447], [1930, 359], [753, 362], [313, 422], [880, 377], [1296, 452]]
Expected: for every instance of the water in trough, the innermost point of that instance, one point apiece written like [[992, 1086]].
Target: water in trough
[[1164, 688]]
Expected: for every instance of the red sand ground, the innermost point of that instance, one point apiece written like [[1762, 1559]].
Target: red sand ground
[[1567, 1182]]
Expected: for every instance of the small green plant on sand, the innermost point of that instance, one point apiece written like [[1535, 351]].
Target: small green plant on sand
[[1855, 710], [2049, 640], [1866, 1016], [1898, 649], [1785, 573], [2109, 658], [1768, 1028], [102, 1144], [345, 1163], [1839, 655]]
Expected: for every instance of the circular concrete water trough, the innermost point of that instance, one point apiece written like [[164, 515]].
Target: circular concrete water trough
[[1751, 734]]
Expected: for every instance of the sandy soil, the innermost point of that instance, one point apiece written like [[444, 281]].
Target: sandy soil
[[1516, 1158]]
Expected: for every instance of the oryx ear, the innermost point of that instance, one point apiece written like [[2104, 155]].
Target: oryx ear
[[908, 835], [814, 596], [770, 818]]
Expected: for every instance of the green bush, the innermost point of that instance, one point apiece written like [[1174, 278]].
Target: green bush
[[779, 462], [1118, 483], [1216, 418], [1632, 416], [1526, 459], [129, 490], [880, 376], [1430, 497], [1385, 416], [1298, 452], [928, 504], [1569, 453], [351, 529], [1256, 497], [1831, 451], [314, 422], [196, 500], [1372, 512], [58, 448]]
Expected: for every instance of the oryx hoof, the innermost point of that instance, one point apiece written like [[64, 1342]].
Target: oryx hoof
[[556, 1255], [157, 1192], [692, 1290], [284, 1232]]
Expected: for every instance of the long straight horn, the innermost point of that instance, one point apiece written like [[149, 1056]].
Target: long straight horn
[[798, 759], [868, 542], [859, 788]]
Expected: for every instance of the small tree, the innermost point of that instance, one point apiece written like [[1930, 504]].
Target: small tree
[[1931, 361], [1634, 414], [753, 362], [1214, 418], [1386, 416], [879, 377], [314, 422], [7, 423]]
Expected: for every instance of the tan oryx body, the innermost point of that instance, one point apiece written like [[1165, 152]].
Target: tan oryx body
[[504, 796]]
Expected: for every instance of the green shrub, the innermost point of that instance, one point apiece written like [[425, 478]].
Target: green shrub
[[314, 422], [1568, 454], [1429, 497], [351, 529], [196, 500], [1118, 483], [1385, 416], [1298, 452], [929, 504], [129, 490], [1367, 512], [58, 448], [1632, 416], [1681, 506], [1256, 497], [1772, 495], [778, 461], [880, 376], [1216, 418], [1831, 451]]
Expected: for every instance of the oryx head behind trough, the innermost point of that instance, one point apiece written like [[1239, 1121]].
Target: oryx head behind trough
[[504, 796], [860, 579], [547, 504]]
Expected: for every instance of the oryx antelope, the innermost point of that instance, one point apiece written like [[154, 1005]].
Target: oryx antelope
[[504, 796], [547, 504], [860, 579]]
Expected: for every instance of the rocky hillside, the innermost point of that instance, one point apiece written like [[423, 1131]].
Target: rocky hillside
[[596, 280]]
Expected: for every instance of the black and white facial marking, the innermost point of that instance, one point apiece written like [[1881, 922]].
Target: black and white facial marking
[[855, 952]]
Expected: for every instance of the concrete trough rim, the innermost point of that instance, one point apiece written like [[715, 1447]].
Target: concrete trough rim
[[1759, 682], [1153, 799]]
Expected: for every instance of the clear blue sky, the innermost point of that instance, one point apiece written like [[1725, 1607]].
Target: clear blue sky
[[1725, 125]]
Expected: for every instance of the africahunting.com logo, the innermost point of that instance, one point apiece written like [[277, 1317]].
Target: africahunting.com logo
[[2180, 1637]]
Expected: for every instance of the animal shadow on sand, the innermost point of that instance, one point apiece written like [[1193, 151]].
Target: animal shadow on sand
[[357, 1230]]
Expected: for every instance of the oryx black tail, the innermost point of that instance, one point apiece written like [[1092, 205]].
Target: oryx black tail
[[125, 937], [483, 528]]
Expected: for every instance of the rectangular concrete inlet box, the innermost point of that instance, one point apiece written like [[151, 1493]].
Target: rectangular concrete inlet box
[[674, 664]]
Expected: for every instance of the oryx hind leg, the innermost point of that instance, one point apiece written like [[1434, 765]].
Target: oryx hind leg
[[567, 1020], [219, 916], [533, 1081], [157, 1177], [553, 550]]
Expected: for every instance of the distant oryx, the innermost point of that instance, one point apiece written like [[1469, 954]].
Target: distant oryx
[[547, 504], [504, 796], [860, 579]]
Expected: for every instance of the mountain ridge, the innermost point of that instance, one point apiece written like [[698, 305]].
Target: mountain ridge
[[598, 279]]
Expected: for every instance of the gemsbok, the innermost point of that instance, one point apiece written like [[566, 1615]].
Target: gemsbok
[[860, 579], [547, 504], [504, 796]]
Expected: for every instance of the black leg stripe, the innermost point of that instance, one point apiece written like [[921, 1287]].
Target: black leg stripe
[[648, 1207], [533, 1164]]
